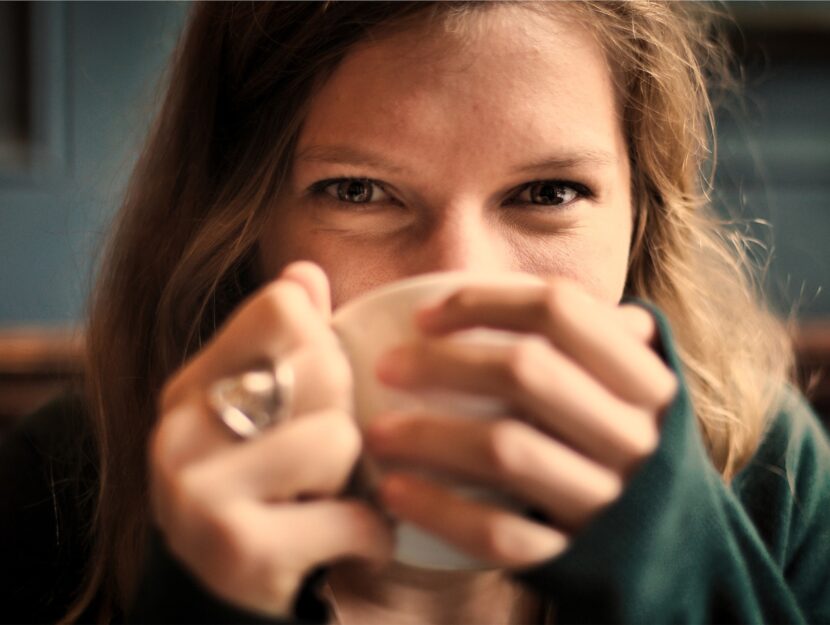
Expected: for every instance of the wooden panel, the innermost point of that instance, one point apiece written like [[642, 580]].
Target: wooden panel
[[37, 363], [812, 344]]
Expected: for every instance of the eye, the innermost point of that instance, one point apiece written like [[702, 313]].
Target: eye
[[552, 193], [351, 190]]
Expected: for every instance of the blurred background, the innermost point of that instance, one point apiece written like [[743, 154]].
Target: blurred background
[[79, 83]]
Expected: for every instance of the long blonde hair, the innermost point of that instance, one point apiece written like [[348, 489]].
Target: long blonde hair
[[183, 251]]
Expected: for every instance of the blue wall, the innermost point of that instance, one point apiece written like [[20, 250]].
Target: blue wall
[[105, 59], [100, 68]]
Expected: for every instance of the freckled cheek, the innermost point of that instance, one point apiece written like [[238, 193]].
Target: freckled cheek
[[598, 263], [606, 260], [352, 268]]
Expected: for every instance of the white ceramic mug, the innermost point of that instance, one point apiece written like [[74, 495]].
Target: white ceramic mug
[[379, 320]]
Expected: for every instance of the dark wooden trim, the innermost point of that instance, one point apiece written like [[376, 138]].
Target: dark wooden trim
[[812, 348], [37, 363], [40, 351]]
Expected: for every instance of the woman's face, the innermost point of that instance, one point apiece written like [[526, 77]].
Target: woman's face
[[425, 152]]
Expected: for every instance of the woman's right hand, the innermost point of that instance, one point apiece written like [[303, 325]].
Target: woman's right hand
[[252, 518]]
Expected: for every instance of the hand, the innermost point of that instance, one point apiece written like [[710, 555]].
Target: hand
[[252, 518], [588, 392]]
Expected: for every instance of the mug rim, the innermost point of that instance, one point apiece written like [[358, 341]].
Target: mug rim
[[459, 277]]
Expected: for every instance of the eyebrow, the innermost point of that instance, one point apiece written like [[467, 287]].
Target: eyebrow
[[571, 160], [348, 155]]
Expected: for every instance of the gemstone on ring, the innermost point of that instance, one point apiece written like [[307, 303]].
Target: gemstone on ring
[[253, 401]]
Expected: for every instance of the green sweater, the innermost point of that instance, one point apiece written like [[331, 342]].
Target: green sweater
[[678, 546], [682, 546]]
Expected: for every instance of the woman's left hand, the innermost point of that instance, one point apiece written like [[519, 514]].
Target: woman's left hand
[[588, 391]]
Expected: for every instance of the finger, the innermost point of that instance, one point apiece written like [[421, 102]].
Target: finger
[[506, 454], [588, 331], [314, 280], [257, 556], [322, 379], [486, 532], [276, 320], [188, 431], [338, 529], [639, 322], [302, 458], [545, 386], [192, 429]]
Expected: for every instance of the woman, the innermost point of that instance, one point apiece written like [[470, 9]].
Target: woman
[[380, 141]]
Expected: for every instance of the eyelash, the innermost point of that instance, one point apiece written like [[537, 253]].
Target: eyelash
[[318, 190]]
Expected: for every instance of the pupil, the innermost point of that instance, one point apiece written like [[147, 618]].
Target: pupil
[[548, 194], [355, 191]]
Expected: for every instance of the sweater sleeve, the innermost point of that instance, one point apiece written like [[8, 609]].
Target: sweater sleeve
[[680, 545]]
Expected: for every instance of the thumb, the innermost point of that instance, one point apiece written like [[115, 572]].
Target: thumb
[[313, 279]]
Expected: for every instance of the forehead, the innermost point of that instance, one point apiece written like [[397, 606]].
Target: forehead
[[509, 78]]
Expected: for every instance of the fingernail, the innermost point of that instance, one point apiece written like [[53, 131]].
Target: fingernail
[[392, 489], [385, 424], [394, 366], [431, 319], [380, 432]]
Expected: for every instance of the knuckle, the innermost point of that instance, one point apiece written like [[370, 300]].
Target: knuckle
[[522, 361], [638, 316], [510, 540], [337, 373], [645, 439], [610, 488], [272, 304], [361, 521], [343, 438], [235, 546], [500, 538], [670, 388], [461, 300], [504, 445], [280, 292], [558, 299]]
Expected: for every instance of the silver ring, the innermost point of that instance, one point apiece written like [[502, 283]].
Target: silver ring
[[255, 400]]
